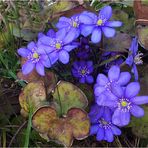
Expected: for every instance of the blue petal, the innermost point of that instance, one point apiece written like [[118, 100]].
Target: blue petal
[[96, 35], [109, 135], [53, 57], [61, 34], [51, 33], [86, 30], [114, 73], [129, 60], [70, 36], [93, 16], [94, 129], [108, 32], [124, 78], [82, 80], [69, 47], [132, 89], [106, 12], [140, 100], [107, 114], [137, 111], [125, 118], [40, 69], [102, 80], [44, 49], [24, 52], [45, 61], [98, 90], [115, 130], [40, 34], [85, 19], [89, 79], [64, 56], [117, 90], [113, 24], [27, 67], [116, 119], [100, 134], [46, 40], [135, 71], [135, 46], [64, 19], [31, 45], [62, 24]]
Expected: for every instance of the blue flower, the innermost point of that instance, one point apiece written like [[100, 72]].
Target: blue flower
[[35, 58], [82, 70], [134, 57], [125, 102], [102, 88], [93, 24], [101, 123], [59, 45], [70, 24]]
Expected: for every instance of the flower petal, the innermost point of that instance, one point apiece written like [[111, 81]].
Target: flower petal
[[94, 129], [46, 40], [31, 45], [109, 135], [116, 117], [51, 33], [82, 80], [89, 79], [61, 34], [102, 80], [96, 35], [100, 134], [62, 24], [114, 73], [44, 49], [117, 90], [125, 118], [132, 89], [64, 56], [140, 100], [23, 52], [70, 36], [107, 114], [64, 19], [27, 67], [85, 19], [129, 60], [137, 111], [69, 47], [115, 130], [98, 90], [135, 71], [106, 12], [124, 78], [108, 32], [113, 24], [86, 29], [40, 69]]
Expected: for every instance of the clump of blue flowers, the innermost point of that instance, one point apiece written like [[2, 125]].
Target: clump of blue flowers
[[115, 96]]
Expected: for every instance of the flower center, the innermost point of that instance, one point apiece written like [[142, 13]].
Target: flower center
[[99, 22], [124, 103], [58, 46], [35, 55], [103, 123], [74, 24], [138, 59], [83, 71]]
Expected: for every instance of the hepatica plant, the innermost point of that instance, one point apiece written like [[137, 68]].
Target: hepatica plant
[[73, 53]]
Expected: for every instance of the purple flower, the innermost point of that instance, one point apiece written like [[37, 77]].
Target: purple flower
[[125, 102], [70, 24], [35, 58], [134, 58], [82, 71], [59, 44], [83, 49], [93, 24], [102, 88], [101, 123]]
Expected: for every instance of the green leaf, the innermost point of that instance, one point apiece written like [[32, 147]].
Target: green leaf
[[66, 95]]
